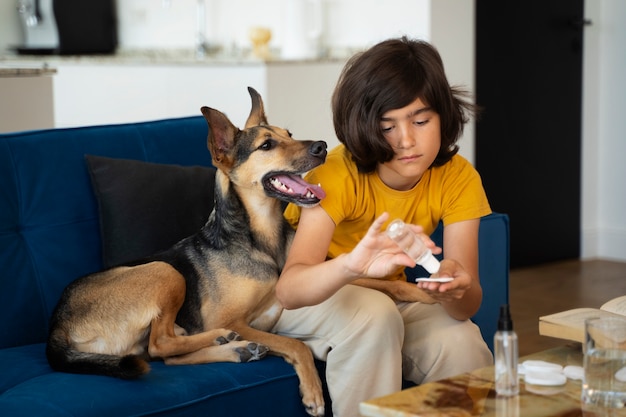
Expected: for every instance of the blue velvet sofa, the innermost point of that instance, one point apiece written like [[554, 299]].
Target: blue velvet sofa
[[51, 233]]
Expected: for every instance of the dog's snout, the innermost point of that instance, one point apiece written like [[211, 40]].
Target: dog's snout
[[318, 148]]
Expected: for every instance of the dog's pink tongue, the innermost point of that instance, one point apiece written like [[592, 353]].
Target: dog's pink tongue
[[300, 186]]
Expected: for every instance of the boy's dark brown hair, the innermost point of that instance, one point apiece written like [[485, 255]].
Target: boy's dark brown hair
[[388, 76]]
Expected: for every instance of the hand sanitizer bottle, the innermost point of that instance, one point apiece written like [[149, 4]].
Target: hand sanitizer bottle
[[506, 356], [412, 245]]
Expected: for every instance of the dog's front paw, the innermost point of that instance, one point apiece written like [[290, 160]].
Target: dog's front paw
[[315, 410], [313, 397], [252, 352], [230, 337]]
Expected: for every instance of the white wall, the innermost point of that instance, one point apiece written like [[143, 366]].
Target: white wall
[[347, 23], [452, 32], [172, 23], [10, 31], [604, 132]]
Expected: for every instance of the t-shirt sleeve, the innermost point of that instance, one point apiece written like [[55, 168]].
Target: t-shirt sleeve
[[465, 197]]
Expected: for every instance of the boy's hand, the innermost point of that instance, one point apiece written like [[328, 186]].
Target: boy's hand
[[377, 256], [448, 291]]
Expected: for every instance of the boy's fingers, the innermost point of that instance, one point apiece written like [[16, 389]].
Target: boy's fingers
[[378, 223]]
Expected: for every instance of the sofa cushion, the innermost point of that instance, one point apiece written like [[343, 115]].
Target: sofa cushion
[[226, 389], [147, 207]]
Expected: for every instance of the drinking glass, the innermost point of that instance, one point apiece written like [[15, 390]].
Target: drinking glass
[[604, 381]]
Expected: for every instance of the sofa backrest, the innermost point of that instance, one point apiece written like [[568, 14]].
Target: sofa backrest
[[49, 224]]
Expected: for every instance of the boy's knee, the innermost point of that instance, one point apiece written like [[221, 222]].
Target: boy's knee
[[378, 315], [449, 352], [465, 346], [460, 336]]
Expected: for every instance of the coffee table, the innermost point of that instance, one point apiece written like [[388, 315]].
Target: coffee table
[[473, 394]]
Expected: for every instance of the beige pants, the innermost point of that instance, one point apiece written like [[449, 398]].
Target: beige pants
[[369, 342]]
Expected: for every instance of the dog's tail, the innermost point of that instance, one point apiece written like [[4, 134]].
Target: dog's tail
[[62, 357]]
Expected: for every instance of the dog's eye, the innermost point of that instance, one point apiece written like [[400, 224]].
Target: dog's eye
[[267, 145]]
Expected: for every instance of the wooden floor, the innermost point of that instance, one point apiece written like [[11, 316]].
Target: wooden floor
[[549, 288]]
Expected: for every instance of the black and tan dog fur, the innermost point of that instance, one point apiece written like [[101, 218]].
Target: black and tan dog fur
[[209, 298]]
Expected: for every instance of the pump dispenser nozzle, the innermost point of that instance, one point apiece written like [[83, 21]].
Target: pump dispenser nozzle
[[505, 353], [505, 322]]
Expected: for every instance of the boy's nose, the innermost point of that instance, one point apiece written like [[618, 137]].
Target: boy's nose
[[407, 140]]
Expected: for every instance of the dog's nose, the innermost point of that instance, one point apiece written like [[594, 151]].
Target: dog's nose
[[318, 148]]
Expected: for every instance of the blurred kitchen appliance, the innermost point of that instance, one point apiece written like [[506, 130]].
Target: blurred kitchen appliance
[[68, 27]]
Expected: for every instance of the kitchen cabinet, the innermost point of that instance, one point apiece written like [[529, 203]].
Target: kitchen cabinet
[[296, 94], [26, 100]]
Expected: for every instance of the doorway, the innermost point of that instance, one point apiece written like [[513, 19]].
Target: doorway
[[528, 137]]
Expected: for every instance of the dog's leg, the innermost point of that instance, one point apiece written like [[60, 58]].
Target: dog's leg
[[299, 355], [165, 339]]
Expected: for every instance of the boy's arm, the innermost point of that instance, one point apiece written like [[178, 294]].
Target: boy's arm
[[462, 297]]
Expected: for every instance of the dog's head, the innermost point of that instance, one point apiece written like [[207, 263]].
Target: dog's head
[[264, 158]]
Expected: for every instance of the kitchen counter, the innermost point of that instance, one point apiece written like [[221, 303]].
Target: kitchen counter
[[168, 57], [25, 71]]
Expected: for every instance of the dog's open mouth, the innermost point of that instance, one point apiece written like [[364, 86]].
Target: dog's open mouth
[[292, 188]]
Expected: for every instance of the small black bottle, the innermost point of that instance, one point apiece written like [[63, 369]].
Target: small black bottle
[[506, 355]]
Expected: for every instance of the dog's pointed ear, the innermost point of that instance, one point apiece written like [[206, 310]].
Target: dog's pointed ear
[[221, 137], [257, 113]]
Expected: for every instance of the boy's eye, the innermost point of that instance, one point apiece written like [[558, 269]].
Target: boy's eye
[[386, 129], [421, 122]]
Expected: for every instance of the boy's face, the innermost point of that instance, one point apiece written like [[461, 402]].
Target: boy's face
[[414, 133]]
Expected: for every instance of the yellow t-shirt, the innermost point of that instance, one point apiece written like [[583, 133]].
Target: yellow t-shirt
[[449, 193]]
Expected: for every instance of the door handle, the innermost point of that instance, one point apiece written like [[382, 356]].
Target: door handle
[[580, 23]]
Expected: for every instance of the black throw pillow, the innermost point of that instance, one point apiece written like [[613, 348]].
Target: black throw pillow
[[147, 207]]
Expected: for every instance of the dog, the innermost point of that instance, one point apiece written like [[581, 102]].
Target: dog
[[210, 297]]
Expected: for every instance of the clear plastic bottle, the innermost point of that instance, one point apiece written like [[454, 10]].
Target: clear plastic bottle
[[506, 355], [412, 245]]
